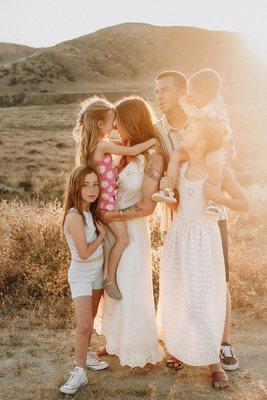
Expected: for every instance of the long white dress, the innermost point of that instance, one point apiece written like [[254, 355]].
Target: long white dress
[[192, 300], [129, 324]]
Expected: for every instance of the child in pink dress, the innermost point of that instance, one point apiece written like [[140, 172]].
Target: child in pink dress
[[95, 122]]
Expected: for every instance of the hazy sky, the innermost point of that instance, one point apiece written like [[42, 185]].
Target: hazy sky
[[47, 22]]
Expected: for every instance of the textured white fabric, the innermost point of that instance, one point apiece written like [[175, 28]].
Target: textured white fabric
[[84, 276], [192, 299], [129, 324], [91, 235]]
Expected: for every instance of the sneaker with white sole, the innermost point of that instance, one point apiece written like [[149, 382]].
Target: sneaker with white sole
[[228, 359], [94, 363], [77, 379]]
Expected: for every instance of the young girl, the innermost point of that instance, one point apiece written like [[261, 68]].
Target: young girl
[[192, 299], [95, 122], [85, 274], [203, 100]]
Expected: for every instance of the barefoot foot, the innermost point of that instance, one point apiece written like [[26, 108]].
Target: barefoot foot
[[101, 351]]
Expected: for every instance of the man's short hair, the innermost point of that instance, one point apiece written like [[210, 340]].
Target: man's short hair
[[178, 77]]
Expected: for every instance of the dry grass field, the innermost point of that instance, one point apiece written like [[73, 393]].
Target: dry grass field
[[37, 153]]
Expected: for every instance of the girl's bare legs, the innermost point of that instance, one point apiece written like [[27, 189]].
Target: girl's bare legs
[[96, 299], [166, 195], [119, 230], [84, 327], [97, 293]]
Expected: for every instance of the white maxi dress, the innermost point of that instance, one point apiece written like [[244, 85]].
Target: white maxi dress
[[192, 300], [129, 324]]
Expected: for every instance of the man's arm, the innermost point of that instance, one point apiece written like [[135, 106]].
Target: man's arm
[[153, 172]]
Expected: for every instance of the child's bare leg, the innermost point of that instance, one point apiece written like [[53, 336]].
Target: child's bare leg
[[119, 230], [167, 194], [173, 166], [84, 326]]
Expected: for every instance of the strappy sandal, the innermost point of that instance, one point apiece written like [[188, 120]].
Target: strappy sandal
[[219, 376], [115, 294], [175, 365]]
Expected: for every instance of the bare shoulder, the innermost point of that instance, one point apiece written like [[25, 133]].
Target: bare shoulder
[[73, 218], [155, 166]]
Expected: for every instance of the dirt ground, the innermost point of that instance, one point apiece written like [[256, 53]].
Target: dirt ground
[[35, 362]]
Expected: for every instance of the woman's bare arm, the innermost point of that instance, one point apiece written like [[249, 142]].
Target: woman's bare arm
[[153, 172], [236, 201]]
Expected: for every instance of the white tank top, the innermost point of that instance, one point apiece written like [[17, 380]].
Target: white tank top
[[91, 235], [192, 203]]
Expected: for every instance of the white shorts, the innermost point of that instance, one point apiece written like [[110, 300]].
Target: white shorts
[[84, 277]]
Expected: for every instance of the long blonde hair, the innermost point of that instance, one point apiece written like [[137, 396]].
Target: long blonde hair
[[136, 117], [73, 192], [86, 131]]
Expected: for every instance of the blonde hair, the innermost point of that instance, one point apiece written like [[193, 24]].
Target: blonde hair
[[207, 83], [73, 192], [86, 131]]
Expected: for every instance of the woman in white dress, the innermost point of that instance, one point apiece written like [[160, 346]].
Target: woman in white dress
[[192, 297], [129, 325]]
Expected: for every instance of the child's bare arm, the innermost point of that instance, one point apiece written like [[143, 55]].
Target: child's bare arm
[[109, 147], [77, 231]]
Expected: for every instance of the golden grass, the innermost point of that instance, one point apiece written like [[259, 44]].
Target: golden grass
[[34, 258], [36, 355]]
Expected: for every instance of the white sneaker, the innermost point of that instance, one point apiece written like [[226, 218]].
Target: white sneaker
[[77, 379], [94, 363], [164, 197]]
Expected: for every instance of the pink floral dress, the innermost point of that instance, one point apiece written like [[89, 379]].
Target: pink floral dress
[[108, 183]]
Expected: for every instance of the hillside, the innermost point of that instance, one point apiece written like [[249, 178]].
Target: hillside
[[10, 52], [129, 56]]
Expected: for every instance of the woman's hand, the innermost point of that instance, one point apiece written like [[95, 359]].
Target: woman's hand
[[212, 192], [101, 229], [103, 216]]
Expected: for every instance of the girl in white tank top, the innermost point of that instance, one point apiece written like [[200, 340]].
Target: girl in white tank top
[[84, 235]]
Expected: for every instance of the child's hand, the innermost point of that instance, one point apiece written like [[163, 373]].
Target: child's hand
[[101, 229], [154, 142]]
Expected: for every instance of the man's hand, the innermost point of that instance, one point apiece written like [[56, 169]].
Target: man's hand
[[212, 192], [166, 182]]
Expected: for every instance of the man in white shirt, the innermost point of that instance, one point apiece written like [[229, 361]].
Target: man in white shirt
[[170, 86]]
